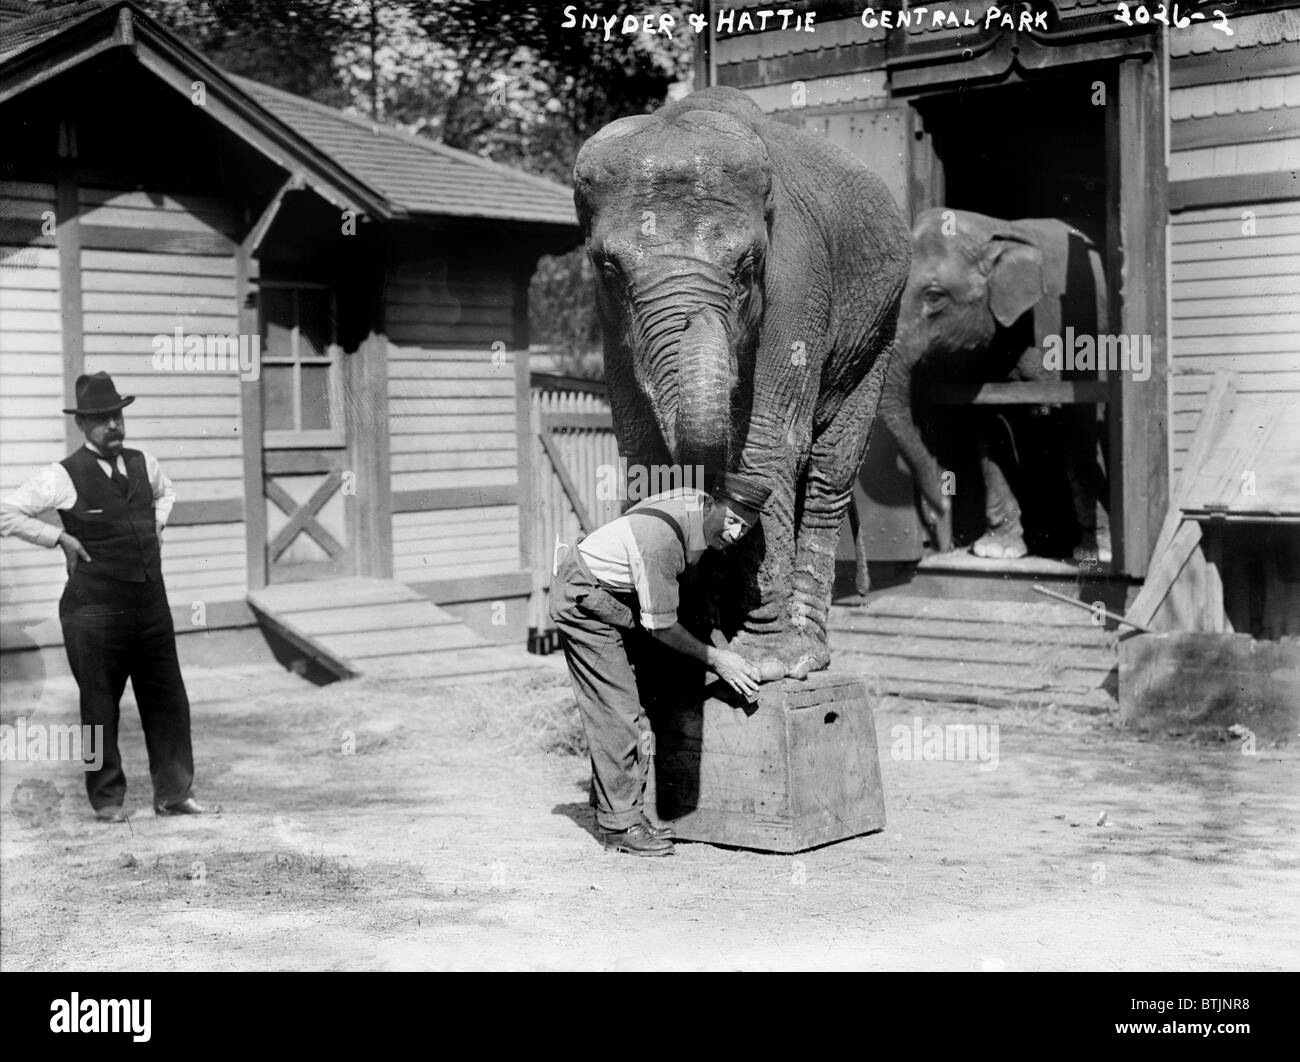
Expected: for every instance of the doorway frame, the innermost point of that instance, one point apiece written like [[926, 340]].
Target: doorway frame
[[1135, 257]]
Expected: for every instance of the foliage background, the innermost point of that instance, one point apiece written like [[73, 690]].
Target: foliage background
[[499, 78]]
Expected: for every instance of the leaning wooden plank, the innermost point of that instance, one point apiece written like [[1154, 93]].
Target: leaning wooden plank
[[355, 648], [1218, 402], [383, 616], [309, 647], [1164, 571], [472, 664]]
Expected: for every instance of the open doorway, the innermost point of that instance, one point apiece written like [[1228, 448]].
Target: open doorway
[[1029, 149]]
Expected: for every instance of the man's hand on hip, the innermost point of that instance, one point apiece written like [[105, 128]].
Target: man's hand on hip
[[74, 551]]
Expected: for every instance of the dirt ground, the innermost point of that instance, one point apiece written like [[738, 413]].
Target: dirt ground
[[399, 826]]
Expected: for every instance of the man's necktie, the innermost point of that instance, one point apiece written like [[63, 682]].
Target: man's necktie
[[119, 480]]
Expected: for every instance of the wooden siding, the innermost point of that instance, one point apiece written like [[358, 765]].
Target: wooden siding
[[31, 395], [1234, 264], [190, 421], [1235, 306], [453, 420]]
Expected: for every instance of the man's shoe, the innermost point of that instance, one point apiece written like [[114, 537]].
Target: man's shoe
[[637, 840], [111, 813], [658, 831], [188, 806]]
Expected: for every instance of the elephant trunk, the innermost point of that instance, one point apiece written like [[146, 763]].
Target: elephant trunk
[[706, 378], [896, 412]]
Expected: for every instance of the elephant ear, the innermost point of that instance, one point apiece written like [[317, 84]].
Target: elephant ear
[[1014, 268]]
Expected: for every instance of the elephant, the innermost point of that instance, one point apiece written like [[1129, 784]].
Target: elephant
[[966, 317], [748, 280]]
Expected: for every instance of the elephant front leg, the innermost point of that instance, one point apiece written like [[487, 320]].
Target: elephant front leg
[[832, 469], [1004, 537]]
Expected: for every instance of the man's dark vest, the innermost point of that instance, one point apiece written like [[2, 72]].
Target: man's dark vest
[[117, 529]]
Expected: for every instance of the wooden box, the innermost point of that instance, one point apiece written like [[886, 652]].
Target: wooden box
[[798, 769]]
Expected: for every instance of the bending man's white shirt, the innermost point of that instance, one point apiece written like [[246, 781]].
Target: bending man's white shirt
[[641, 553]]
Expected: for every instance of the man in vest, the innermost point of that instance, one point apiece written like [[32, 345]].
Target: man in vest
[[621, 579], [113, 503]]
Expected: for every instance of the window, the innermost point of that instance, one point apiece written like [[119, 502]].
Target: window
[[301, 370]]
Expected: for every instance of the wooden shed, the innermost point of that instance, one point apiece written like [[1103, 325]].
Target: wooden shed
[[1181, 143], [324, 321]]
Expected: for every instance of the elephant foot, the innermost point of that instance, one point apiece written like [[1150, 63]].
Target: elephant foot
[[1094, 548], [1005, 542], [788, 654]]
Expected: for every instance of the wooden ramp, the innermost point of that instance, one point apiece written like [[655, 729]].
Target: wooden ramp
[[379, 627], [965, 650]]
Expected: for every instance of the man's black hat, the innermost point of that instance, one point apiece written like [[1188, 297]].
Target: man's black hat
[[96, 396], [743, 489]]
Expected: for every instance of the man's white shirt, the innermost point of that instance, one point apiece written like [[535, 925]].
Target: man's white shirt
[[52, 488]]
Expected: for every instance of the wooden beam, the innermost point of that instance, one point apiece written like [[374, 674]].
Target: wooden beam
[[1218, 404], [434, 500], [1164, 572], [67, 235], [1144, 404], [582, 421], [159, 241], [475, 588], [523, 422], [252, 241], [566, 481], [303, 462], [1229, 191], [1280, 123], [250, 427], [1028, 393], [210, 511]]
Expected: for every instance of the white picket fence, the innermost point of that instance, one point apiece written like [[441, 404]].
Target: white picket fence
[[574, 455]]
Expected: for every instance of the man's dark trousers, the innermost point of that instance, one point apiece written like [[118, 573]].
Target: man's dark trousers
[[599, 655], [114, 630]]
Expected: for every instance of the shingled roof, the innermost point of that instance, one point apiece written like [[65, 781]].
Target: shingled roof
[[408, 175], [418, 174]]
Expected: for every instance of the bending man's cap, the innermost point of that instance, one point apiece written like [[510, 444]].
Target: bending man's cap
[[746, 490]]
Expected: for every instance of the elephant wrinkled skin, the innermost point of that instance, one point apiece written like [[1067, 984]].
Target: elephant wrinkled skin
[[749, 275]]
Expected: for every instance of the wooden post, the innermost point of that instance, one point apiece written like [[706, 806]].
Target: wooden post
[[524, 464], [704, 74], [250, 408], [67, 238], [1143, 422]]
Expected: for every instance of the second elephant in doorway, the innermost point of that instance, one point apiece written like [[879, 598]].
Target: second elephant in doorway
[[982, 298]]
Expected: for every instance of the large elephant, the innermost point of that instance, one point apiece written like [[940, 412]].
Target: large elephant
[[966, 317], [749, 274]]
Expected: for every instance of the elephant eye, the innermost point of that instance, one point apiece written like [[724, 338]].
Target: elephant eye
[[934, 299]]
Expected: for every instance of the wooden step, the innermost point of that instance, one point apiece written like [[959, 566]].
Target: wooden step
[[359, 626], [998, 653], [1038, 614], [987, 651], [1086, 636]]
